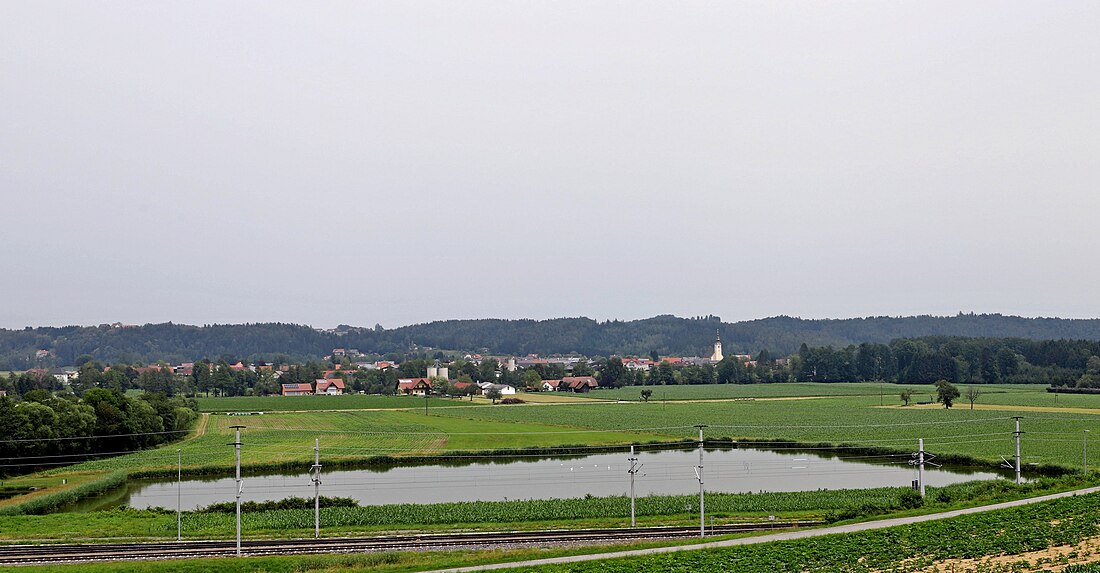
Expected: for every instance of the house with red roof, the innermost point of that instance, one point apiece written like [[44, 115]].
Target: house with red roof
[[143, 369], [550, 385], [331, 387], [578, 384], [414, 386], [297, 389]]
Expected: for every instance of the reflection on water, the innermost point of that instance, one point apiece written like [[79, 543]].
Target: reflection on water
[[539, 477]]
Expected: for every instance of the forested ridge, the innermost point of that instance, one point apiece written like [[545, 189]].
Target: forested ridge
[[667, 335]]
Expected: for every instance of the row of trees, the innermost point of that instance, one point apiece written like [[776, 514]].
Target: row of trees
[[67, 427], [958, 360]]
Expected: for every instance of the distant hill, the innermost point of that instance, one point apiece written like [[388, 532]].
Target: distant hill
[[668, 335]]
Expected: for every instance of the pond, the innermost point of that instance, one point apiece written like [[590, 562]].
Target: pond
[[663, 472]]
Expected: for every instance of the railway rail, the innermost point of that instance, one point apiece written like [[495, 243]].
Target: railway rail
[[83, 553]]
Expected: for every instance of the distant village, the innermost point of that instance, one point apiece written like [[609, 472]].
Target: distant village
[[346, 370]]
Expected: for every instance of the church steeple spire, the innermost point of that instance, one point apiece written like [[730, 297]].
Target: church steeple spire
[[717, 355]]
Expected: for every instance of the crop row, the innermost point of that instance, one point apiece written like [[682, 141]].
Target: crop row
[[719, 505], [916, 547]]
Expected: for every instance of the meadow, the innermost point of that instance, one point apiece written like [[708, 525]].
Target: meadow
[[1053, 433], [278, 439], [837, 419]]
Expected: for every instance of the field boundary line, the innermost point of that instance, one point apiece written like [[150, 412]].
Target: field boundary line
[[784, 536]]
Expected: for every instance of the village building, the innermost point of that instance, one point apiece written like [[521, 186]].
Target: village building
[[550, 385], [504, 389], [577, 384], [716, 356], [330, 387], [414, 386], [297, 389]]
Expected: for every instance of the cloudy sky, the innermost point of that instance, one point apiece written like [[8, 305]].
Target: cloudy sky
[[405, 161]]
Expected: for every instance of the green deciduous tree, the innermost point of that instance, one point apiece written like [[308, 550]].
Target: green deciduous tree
[[946, 393]]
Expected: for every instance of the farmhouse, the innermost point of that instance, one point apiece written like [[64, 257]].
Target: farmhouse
[[332, 387], [578, 384], [550, 385], [414, 386], [297, 389], [504, 389]]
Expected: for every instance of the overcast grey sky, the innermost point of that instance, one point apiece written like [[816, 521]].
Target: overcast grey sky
[[398, 162]]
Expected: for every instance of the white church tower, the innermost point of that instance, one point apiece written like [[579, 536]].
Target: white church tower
[[717, 356]]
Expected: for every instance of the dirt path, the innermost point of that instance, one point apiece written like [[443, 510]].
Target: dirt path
[[200, 428], [784, 536]]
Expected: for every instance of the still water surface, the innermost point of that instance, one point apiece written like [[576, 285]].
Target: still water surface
[[481, 479]]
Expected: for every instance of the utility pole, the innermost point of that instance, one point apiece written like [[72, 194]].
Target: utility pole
[[699, 476], [920, 458], [315, 471], [633, 470], [1017, 434], [1085, 453], [237, 449], [179, 486], [920, 466]]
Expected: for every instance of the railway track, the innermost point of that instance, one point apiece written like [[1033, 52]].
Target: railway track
[[83, 553]]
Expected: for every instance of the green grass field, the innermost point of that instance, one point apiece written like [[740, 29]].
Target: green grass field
[[823, 414], [286, 438], [1053, 434], [734, 391]]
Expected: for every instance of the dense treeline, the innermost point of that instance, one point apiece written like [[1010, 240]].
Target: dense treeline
[[666, 335], [956, 359], [44, 429]]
